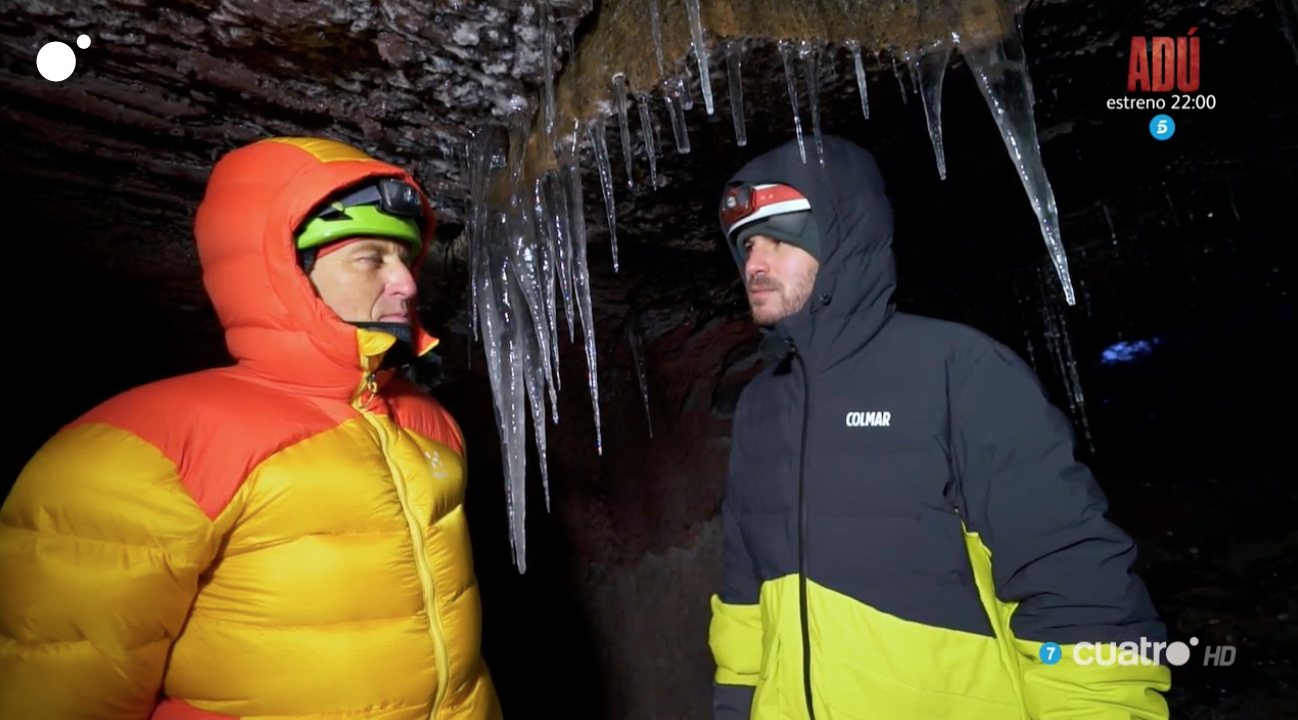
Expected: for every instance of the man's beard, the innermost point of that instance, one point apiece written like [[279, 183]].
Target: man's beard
[[785, 298]]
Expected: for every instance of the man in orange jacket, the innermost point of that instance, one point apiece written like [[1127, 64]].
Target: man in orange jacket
[[284, 536]]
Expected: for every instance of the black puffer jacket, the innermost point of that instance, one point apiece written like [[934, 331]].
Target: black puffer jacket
[[905, 522]]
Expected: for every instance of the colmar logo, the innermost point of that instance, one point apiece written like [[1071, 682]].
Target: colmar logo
[[861, 418]]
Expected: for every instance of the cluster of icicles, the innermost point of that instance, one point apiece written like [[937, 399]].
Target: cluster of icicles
[[528, 253]]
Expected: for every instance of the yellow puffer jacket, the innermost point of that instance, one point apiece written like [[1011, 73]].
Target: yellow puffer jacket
[[281, 538]]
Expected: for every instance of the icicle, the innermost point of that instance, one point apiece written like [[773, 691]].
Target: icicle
[[700, 52], [1171, 208], [473, 226], [489, 316], [859, 65], [786, 53], [1113, 235], [473, 287], [677, 114], [1287, 24], [1075, 383], [1061, 349], [557, 201], [1230, 195], [548, 253], [734, 67], [656, 23], [658, 137], [595, 129], [911, 61], [517, 124], [524, 258], [516, 373], [1081, 285], [647, 131], [532, 336], [581, 277], [685, 88], [547, 57], [571, 212], [549, 219], [633, 334], [624, 126], [1031, 350], [1002, 76], [932, 70], [1055, 347], [531, 332], [809, 56], [896, 71], [504, 362]]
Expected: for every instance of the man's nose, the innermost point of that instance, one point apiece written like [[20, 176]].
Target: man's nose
[[401, 282], [757, 263]]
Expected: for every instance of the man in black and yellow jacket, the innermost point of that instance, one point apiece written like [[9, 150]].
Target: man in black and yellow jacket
[[908, 535]]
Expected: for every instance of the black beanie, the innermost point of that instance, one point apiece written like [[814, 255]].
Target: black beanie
[[796, 228]]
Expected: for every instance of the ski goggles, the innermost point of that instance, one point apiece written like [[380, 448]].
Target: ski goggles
[[393, 197]]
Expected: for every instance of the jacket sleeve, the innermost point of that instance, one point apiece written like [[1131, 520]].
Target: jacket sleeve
[[735, 634], [1064, 570], [101, 548]]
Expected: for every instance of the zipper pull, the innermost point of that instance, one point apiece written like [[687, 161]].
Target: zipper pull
[[371, 389]]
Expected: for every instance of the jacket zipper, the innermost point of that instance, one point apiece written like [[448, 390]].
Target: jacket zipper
[[370, 386], [802, 537]]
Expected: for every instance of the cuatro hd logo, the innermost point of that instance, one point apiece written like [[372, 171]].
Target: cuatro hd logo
[[56, 60], [1142, 652], [1163, 76]]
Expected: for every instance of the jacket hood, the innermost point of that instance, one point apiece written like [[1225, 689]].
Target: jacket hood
[[275, 323], [852, 297]]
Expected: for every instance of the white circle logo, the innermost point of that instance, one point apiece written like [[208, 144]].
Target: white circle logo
[[1178, 653], [56, 60]]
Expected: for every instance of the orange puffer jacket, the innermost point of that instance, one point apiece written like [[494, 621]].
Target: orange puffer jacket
[[281, 538]]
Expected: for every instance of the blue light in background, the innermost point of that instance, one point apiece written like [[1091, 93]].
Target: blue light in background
[[1125, 352]]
